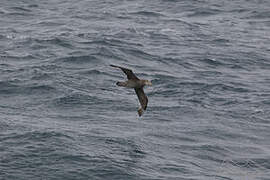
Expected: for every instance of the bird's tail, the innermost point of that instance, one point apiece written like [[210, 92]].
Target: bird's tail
[[140, 112], [120, 84]]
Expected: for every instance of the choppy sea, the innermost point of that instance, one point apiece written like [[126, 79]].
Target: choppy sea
[[63, 117]]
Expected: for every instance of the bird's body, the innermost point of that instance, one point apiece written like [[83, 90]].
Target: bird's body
[[132, 83], [129, 84], [136, 83]]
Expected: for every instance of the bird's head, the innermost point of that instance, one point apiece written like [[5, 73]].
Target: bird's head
[[147, 82]]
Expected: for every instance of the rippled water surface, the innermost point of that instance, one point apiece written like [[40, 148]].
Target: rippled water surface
[[63, 117]]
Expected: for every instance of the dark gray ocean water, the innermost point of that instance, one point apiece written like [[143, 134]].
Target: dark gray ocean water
[[63, 117]]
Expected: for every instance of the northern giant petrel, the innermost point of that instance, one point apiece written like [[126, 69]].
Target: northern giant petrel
[[137, 84]]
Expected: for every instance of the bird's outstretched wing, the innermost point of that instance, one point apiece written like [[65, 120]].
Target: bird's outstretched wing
[[128, 72], [142, 98]]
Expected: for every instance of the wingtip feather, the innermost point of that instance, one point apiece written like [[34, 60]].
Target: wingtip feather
[[113, 65]]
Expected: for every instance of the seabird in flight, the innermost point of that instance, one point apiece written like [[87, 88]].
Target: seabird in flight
[[136, 83]]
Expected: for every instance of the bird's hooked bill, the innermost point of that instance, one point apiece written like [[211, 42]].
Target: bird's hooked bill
[[149, 83]]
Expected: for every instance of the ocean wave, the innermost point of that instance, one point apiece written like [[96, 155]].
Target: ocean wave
[[21, 9], [259, 15], [147, 13], [37, 136], [10, 87], [202, 12], [56, 41], [75, 99], [85, 59]]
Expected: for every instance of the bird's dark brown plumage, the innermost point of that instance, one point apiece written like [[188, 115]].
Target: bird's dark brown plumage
[[137, 84], [128, 72], [142, 97]]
